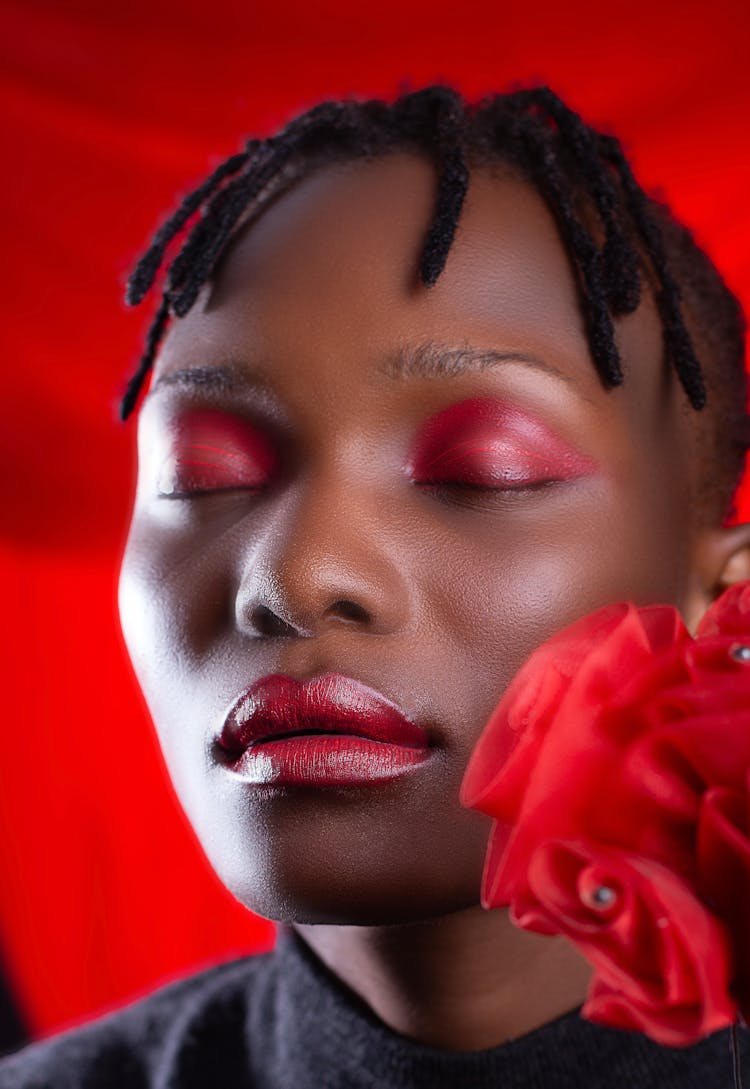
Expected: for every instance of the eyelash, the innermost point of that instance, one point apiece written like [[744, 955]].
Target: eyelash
[[181, 466], [469, 482], [450, 491], [205, 493], [461, 494]]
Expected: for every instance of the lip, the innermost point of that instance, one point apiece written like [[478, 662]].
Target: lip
[[330, 729]]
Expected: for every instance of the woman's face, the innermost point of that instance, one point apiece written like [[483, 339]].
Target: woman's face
[[411, 487]]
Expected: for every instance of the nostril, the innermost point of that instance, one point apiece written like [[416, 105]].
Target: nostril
[[348, 610], [267, 623]]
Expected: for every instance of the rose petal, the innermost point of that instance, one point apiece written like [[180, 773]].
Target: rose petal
[[493, 891], [578, 679], [676, 763], [493, 782], [661, 958], [672, 1027], [729, 614], [723, 854]]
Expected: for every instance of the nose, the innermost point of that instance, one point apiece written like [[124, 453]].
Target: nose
[[329, 558]]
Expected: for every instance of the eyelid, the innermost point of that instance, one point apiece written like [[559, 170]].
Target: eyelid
[[502, 461], [488, 442], [209, 451]]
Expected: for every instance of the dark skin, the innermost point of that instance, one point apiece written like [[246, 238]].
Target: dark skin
[[433, 598]]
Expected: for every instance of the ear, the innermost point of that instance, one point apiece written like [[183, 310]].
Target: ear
[[721, 557]]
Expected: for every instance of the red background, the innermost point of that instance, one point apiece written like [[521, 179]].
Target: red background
[[108, 112]]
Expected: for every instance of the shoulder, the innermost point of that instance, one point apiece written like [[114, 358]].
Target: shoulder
[[196, 1023]]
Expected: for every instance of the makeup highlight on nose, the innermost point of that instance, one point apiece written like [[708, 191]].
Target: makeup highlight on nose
[[486, 442]]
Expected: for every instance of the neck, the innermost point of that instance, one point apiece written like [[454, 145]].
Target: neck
[[465, 981]]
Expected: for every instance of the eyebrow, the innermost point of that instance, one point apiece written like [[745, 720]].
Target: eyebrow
[[433, 360], [223, 377], [428, 359]]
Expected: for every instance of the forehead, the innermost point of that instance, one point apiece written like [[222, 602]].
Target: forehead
[[346, 242], [326, 278]]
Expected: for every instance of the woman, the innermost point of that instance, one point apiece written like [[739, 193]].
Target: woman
[[425, 392]]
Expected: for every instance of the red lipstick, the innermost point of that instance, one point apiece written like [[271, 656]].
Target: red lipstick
[[329, 730]]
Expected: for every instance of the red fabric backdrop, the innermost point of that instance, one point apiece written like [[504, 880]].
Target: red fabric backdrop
[[108, 111]]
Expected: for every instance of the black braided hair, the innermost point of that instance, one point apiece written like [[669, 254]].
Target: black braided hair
[[668, 298], [436, 116], [538, 154], [612, 230]]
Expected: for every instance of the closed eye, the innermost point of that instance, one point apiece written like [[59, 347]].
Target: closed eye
[[210, 452]]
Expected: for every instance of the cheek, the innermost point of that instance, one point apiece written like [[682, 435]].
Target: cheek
[[156, 618], [171, 633], [144, 626], [502, 590], [177, 583], [500, 604]]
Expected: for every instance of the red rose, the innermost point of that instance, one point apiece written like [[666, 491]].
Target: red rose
[[626, 735], [645, 933], [584, 668]]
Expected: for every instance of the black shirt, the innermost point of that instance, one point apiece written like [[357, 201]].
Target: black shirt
[[282, 1020]]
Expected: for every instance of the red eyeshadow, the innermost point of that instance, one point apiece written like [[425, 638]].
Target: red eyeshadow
[[490, 443], [213, 451]]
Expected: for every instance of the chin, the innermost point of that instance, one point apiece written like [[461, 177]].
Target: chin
[[338, 901], [337, 861]]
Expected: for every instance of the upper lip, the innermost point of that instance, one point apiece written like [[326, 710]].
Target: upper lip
[[278, 706]]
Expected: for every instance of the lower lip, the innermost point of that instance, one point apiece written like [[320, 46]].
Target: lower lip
[[325, 759]]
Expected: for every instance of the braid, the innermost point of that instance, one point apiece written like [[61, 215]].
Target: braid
[[145, 271], [436, 115], [261, 167], [619, 259], [194, 265], [153, 337], [676, 336], [541, 158], [532, 130]]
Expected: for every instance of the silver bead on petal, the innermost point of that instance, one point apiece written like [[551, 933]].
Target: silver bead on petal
[[740, 652], [603, 896]]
